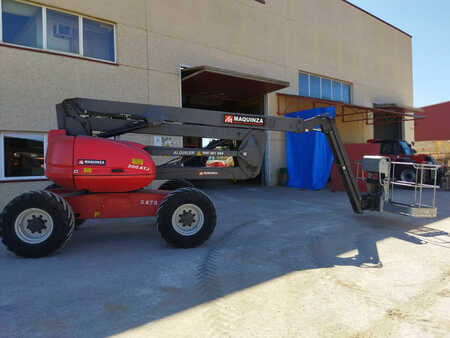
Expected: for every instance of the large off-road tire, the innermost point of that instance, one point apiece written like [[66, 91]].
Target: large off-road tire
[[186, 218], [175, 184], [78, 222], [408, 175], [36, 224]]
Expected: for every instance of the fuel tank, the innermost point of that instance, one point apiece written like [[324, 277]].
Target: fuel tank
[[97, 164]]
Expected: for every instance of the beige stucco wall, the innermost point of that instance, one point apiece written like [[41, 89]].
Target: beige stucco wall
[[327, 37]]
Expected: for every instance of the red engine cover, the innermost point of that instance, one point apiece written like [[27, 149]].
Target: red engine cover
[[98, 165], [59, 159]]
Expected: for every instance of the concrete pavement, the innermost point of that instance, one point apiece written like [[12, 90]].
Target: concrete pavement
[[282, 262]]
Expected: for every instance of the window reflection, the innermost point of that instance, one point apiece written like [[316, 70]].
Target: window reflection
[[22, 24], [24, 157], [98, 40], [62, 32]]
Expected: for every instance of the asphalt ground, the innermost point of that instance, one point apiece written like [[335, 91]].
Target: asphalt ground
[[281, 263]]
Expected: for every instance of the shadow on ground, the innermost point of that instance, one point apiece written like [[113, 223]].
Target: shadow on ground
[[117, 275]]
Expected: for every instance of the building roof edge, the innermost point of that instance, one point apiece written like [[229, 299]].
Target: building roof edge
[[437, 104], [376, 17]]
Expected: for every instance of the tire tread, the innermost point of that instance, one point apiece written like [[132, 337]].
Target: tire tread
[[171, 202], [58, 206]]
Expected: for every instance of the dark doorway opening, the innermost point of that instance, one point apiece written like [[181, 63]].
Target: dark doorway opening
[[391, 126], [388, 127], [217, 89]]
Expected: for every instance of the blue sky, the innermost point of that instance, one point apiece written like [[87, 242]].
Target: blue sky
[[429, 24]]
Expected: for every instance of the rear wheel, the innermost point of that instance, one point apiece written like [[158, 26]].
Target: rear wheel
[[186, 218], [175, 184], [408, 175], [37, 224]]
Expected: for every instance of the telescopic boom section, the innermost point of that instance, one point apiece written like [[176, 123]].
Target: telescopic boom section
[[108, 118]]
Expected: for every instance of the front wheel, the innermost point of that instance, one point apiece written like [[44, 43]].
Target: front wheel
[[186, 218], [37, 224]]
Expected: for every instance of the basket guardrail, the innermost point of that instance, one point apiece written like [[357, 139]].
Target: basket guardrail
[[426, 176]]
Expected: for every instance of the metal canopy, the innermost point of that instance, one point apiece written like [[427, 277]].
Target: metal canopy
[[349, 113], [398, 107], [227, 85]]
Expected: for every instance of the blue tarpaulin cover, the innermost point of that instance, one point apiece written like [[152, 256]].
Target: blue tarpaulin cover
[[308, 155]]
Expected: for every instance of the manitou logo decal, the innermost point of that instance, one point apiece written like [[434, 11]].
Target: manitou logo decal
[[246, 120], [100, 163]]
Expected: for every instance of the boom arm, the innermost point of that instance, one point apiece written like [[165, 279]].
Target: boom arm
[[107, 118]]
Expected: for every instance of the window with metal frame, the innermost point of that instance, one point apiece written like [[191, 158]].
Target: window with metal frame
[[22, 156], [320, 87], [42, 28]]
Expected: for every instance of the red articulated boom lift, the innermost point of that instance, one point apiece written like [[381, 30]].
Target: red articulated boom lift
[[97, 177]]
